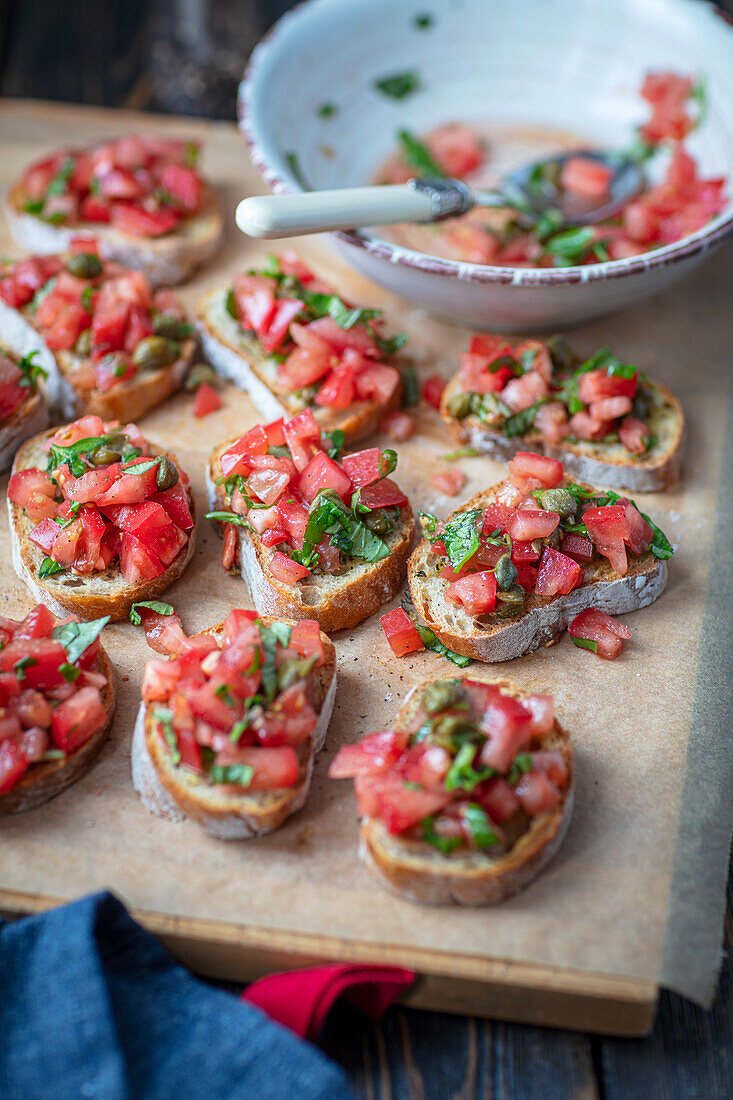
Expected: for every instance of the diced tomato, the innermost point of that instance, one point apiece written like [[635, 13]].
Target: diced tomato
[[608, 526], [255, 300], [185, 185], [136, 221], [38, 623], [401, 632], [558, 574], [109, 326], [587, 178], [546, 470], [507, 724], [476, 377], [121, 183], [285, 569], [70, 322], [449, 482], [94, 208], [585, 426], [527, 577], [77, 719], [521, 552], [13, 764], [432, 389], [578, 547], [596, 626], [542, 709], [305, 366], [634, 434], [363, 467], [338, 391], [520, 393], [206, 401], [175, 502], [139, 325], [499, 800], [323, 473], [234, 459], [286, 310], [44, 534], [537, 793], [377, 383], [305, 638], [269, 483], [273, 768], [374, 754], [130, 487], [610, 408], [303, 437], [113, 369], [33, 490], [552, 764], [398, 425], [383, 494], [495, 518], [230, 546], [340, 340], [137, 563], [399, 807], [595, 385], [531, 523], [457, 149], [477, 592], [294, 519], [640, 532]]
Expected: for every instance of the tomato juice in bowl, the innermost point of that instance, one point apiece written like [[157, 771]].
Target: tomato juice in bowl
[[315, 112]]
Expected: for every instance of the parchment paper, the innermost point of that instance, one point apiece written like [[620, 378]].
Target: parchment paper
[[637, 889]]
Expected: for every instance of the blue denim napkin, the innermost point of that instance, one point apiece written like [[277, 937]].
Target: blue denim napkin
[[91, 1005]]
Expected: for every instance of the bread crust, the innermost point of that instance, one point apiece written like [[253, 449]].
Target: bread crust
[[171, 792], [167, 261], [44, 781], [98, 593], [241, 362], [545, 617], [339, 607], [419, 873], [653, 472], [27, 420]]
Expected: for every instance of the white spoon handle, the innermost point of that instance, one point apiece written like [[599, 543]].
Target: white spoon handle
[[316, 211]]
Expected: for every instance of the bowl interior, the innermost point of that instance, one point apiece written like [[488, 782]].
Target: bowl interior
[[575, 65]]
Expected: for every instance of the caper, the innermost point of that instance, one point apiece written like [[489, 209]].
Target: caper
[[505, 572], [85, 265], [377, 522], [166, 476], [487, 407], [104, 455], [154, 352], [560, 501], [510, 602], [199, 372], [327, 495], [449, 727], [642, 404], [459, 405], [290, 672], [83, 345], [306, 396], [278, 452], [170, 326], [440, 695], [562, 355]]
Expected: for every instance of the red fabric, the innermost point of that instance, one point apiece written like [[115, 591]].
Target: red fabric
[[301, 999]]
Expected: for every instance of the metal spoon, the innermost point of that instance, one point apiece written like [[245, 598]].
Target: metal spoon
[[530, 191]]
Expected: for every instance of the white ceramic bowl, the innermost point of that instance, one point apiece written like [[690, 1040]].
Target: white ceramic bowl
[[571, 64]]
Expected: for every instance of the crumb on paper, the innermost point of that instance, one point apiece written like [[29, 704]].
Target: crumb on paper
[[304, 836]]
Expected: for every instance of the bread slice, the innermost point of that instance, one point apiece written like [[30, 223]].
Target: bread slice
[[176, 792], [29, 419], [44, 781], [607, 464], [338, 601], [420, 873], [238, 357], [95, 594], [126, 401], [544, 618], [166, 261]]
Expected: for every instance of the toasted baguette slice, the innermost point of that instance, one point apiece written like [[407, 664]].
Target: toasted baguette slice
[[126, 401], [29, 419], [420, 873], [544, 618], [95, 594], [607, 464], [166, 261], [44, 781], [175, 792], [238, 356], [338, 602]]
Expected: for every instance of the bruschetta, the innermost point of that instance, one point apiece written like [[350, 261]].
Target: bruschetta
[[99, 518], [509, 569], [141, 197], [606, 421], [314, 535], [23, 407], [292, 343], [229, 726], [467, 797], [108, 344], [58, 698]]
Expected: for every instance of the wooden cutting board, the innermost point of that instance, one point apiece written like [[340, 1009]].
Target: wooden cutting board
[[589, 943]]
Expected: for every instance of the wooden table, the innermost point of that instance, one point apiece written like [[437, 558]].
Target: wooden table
[[410, 1053]]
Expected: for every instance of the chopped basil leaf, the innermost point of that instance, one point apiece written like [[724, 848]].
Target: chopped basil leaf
[[165, 717], [329, 516], [462, 775], [464, 452], [480, 827], [41, 293], [59, 183], [521, 422], [428, 522], [69, 672], [77, 637], [570, 245], [660, 546], [33, 206], [22, 665], [398, 85], [442, 843], [527, 358], [224, 693], [699, 95], [417, 156], [269, 668], [31, 371], [192, 154], [142, 467], [431, 642], [238, 729], [158, 606], [49, 568], [390, 344], [585, 643], [410, 387], [461, 537], [73, 453], [346, 318], [521, 765], [241, 774], [53, 754], [86, 298], [337, 439], [282, 633], [229, 517], [230, 304]]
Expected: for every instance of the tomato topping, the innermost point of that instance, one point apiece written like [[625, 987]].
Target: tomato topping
[[323, 473], [477, 592], [375, 753], [401, 632], [608, 526], [137, 562], [136, 221], [531, 523], [206, 401], [432, 389], [13, 764], [287, 570], [449, 482], [548, 471], [596, 627], [558, 574], [578, 547], [634, 434]]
